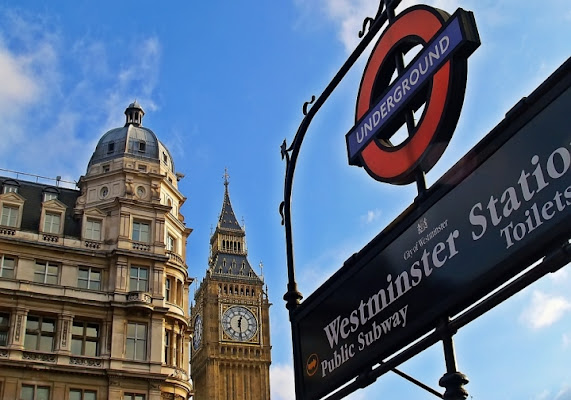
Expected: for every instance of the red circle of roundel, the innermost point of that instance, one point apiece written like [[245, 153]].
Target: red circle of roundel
[[398, 164]]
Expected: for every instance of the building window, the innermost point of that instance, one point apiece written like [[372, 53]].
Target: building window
[[139, 279], [105, 168], [110, 147], [133, 396], [46, 272], [52, 222], [89, 278], [50, 196], [168, 289], [141, 231], [171, 243], [4, 328], [10, 189], [85, 339], [80, 394], [136, 348], [33, 392], [165, 158], [142, 146], [7, 265], [93, 229], [142, 168], [167, 347], [40, 333], [9, 215]]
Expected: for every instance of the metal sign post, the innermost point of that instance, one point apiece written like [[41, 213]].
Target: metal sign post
[[504, 205]]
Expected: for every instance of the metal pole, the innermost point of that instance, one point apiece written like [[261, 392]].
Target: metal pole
[[453, 380]]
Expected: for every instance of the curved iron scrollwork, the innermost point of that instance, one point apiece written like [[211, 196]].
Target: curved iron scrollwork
[[307, 103], [290, 154], [367, 22]]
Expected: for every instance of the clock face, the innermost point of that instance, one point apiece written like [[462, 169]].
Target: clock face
[[197, 338], [239, 323]]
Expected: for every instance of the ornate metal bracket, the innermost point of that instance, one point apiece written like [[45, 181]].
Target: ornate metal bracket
[[293, 296]]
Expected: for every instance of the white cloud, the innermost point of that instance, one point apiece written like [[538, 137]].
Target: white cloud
[[371, 216], [16, 86], [564, 393], [544, 310], [348, 15], [282, 382], [59, 95], [543, 395], [566, 339]]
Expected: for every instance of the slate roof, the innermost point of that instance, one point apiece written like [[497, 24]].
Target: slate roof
[[227, 219], [225, 262], [33, 193]]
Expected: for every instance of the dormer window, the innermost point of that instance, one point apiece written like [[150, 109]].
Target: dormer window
[[10, 188], [165, 158], [110, 147], [49, 196], [142, 146]]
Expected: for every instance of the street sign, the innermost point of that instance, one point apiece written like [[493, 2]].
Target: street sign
[[436, 76], [494, 213]]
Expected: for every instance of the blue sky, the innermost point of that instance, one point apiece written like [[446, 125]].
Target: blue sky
[[222, 84]]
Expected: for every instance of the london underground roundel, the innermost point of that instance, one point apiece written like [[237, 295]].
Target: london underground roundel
[[435, 78]]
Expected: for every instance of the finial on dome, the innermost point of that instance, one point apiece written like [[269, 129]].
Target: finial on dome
[[134, 114]]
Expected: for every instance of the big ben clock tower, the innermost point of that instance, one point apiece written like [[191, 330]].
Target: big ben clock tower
[[230, 319]]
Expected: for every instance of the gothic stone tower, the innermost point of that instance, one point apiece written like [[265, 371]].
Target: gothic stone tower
[[231, 341]]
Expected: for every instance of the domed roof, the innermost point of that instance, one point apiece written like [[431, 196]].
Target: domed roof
[[131, 140]]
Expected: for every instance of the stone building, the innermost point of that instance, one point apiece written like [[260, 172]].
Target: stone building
[[93, 282]]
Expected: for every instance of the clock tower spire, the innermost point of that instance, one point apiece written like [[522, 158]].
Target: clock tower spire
[[231, 339]]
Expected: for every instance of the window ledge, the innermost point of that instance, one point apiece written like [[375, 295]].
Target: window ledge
[[47, 237], [92, 244], [7, 231], [38, 356], [86, 361], [141, 246]]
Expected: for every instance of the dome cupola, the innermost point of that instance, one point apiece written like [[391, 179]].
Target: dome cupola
[[134, 114], [131, 140]]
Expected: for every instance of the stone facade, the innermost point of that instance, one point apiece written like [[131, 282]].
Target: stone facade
[[93, 282]]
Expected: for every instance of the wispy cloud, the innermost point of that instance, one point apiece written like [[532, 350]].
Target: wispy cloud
[[282, 382], [348, 15], [371, 216], [59, 95], [544, 310], [564, 393]]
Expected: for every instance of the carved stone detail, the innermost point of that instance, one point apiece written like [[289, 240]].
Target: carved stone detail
[[88, 362], [51, 358], [18, 328], [64, 333], [3, 353]]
